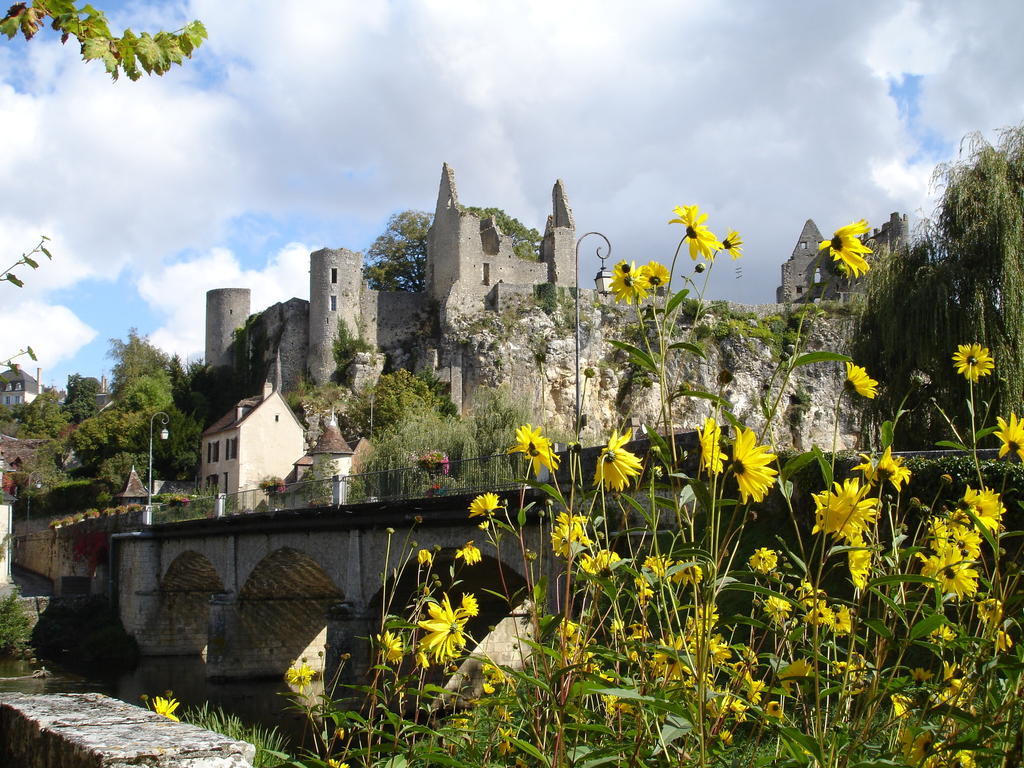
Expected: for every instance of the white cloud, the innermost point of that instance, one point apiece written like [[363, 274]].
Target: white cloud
[[54, 332]]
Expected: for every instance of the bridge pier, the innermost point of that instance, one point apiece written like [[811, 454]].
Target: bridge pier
[[347, 656]]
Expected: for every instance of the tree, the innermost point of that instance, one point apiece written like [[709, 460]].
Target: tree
[[962, 281], [134, 359], [42, 418], [130, 53], [397, 260], [525, 240], [80, 402], [395, 396]]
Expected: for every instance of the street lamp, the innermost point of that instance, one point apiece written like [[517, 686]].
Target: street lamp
[[28, 497], [164, 434], [602, 281]]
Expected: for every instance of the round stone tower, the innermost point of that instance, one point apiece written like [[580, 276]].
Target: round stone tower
[[335, 280], [227, 309]]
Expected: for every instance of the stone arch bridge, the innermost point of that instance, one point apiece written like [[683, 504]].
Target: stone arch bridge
[[254, 594]]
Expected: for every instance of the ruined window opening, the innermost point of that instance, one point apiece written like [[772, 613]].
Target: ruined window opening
[[817, 275], [803, 246], [487, 274], [334, 303], [277, 417], [799, 289], [334, 275]]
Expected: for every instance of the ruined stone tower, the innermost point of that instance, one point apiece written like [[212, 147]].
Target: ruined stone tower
[[227, 309], [335, 281]]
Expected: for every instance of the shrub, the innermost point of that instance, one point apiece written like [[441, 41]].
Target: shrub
[[14, 625], [269, 742]]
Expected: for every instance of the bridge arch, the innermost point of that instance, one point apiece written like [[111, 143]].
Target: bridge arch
[[183, 614], [282, 614]]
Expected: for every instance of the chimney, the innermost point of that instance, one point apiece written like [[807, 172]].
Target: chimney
[[39, 380], [268, 389]]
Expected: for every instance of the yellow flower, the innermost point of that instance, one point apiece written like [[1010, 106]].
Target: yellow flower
[[629, 283], [689, 574], [764, 560], [536, 448], [392, 647], [600, 562], [166, 707], [818, 612], [470, 606], [332, 763], [658, 565], [921, 675], [616, 466], [861, 383], [300, 676], [951, 571], [773, 709], [889, 468], [845, 511], [778, 609], [711, 455], [445, 630], [657, 274], [986, 506], [470, 553], [505, 746], [990, 611], [793, 672], [859, 563], [569, 529], [484, 505], [842, 623], [702, 241], [494, 677], [425, 557], [847, 249], [422, 659], [942, 634], [644, 592], [669, 660], [725, 736], [731, 244], [973, 361], [1011, 435], [1003, 641], [750, 465]]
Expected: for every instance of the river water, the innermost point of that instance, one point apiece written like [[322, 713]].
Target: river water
[[260, 701]]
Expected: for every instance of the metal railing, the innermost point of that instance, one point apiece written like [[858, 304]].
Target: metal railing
[[500, 472]]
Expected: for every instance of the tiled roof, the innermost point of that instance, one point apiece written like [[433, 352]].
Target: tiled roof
[[229, 420], [331, 441], [133, 489]]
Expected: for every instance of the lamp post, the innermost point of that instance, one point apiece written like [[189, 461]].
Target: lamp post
[[9, 554], [164, 434], [28, 497], [602, 282]]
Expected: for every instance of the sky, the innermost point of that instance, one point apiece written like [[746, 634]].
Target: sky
[[296, 127]]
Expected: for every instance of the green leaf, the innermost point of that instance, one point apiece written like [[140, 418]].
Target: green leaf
[[12, 279], [801, 745], [637, 355], [819, 357], [48, 254], [676, 300], [695, 349], [824, 466], [952, 444], [927, 625], [530, 750], [31, 262], [887, 434], [879, 628], [31, 353], [797, 463], [703, 495]]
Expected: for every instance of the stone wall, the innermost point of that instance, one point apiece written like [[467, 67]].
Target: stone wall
[[90, 730], [226, 310], [73, 557]]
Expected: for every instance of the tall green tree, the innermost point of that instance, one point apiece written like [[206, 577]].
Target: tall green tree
[[961, 281], [134, 358], [80, 402], [397, 260], [42, 418]]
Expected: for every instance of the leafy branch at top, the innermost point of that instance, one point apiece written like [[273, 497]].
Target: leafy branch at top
[[27, 260], [132, 54]]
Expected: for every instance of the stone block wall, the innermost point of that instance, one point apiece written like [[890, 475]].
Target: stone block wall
[[89, 730]]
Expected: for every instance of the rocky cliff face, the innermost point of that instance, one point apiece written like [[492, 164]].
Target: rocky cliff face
[[533, 352]]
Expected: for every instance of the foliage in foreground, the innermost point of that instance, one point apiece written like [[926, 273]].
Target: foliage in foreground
[[14, 625], [880, 631], [269, 742]]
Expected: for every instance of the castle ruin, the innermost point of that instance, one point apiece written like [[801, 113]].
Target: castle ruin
[[810, 275], [470, 267]]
